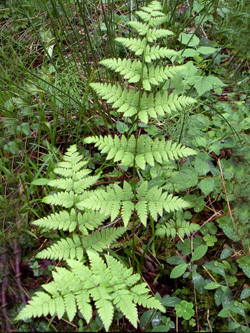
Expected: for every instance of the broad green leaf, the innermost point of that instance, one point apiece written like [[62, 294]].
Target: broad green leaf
[[189, 53], [212, 285], [175, 260], [186, 178], [245, 293], [199, 252], [246, 270], [145, 317], [40, 181], [226, 253], [178, 271], [202, 167], [197, 202], [168, 301], [184, 310], [189, 39], [206, 50], [199, 282], [207, 83], [225, 313], [121, 127], [207, 185]]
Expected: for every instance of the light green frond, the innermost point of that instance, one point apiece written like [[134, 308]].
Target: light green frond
[[141, 28], [148, 150], [83, 300], [126, 101], [153, 201], [160, 103], [109, 202], [70, 305], [82, 273], [98, 266], [118, 269], [180, 227], [70, 185], [72, 162], [71, 289], [124, 302], [64, 249], [100, 240], [158, 74], [39, 305], [62, 221], [89, 221], [152, 105], [131, 70], [133, 44], [142, 297], [157, 52], [152, 34], [63, 184], [152, 14], [83, 184], [64, 199]]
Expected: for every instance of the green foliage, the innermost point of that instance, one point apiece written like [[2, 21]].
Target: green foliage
[[178, 227], [148, 150], [184, 310], [144, 168], [109, 285], [75, 181], [112, 286]]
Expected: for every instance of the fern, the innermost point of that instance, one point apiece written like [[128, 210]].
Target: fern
[[92, 282], [148, 150], [111, 286], [180, 227], [73, 247], [148, 200]]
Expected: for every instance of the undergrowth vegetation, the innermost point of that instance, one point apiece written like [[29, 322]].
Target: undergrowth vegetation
[[125, 166]]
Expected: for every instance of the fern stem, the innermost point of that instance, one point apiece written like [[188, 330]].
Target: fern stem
[[136, 119]]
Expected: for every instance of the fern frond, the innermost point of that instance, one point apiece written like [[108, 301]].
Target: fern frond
[[157, 52], [72, 161], [62, 221], [161, 103], [152, 34], [100, 240], [152, 14], [133, 44], [131, 70], [117, 269], [71, 185], [142, 297], [89, 221], [111, 201], [82, 300], [72, 289], [141, 28], [158, 74], [148, 150], [180, 227], [126, 101], [64, 199], [154, 201], [64, 249]]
